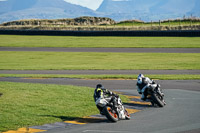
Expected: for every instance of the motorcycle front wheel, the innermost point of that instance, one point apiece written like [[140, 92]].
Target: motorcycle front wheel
[[128, 117], [110, 114], [157, 100]]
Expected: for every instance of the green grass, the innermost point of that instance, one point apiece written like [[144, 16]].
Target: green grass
[[166, 23], [122, 42], [91, 61], [25, 104], [105, 76]]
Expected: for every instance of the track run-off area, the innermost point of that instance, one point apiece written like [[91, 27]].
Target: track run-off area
[[180, 115]]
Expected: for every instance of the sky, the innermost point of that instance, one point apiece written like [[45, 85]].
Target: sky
[[92, 4]]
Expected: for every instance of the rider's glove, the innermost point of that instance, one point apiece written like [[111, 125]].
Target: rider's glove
[[116, 95]]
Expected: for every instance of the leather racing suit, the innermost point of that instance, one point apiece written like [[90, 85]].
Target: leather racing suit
[[143, 84], [104, 93]]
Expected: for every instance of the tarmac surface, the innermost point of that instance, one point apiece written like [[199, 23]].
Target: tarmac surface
[[178, 115], [95, 72], [122, 50], [192, 85]]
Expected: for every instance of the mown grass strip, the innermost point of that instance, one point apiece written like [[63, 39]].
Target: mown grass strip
[[105, 76], [118, 42], [10, 60], [26, 104]]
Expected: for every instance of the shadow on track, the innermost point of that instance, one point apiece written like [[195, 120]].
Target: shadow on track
[[137, 105], [84, 120]]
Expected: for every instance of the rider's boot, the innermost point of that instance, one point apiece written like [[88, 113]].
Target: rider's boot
[[143, 97], [101, 112]]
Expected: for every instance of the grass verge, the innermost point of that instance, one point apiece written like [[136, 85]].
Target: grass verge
[[97, 61], [105, 77], [165, 23], [25, 104], [122, 42]]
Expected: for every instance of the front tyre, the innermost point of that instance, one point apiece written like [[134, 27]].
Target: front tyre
[[127, 116], [157, 100], [110, 114]]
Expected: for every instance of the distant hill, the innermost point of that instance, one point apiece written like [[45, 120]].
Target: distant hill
[[126, 6], [174, 6], [40, 9], [145, 10], [196, 8], [148, 10]]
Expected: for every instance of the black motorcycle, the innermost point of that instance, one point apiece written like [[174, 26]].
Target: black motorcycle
[[156, 96]]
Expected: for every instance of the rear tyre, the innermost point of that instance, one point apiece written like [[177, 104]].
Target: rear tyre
[[110, 114], [157, 100]]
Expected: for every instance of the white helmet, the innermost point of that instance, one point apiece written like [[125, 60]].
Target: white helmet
[[139, 79]]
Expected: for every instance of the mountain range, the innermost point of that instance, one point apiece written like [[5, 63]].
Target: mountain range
[[40, 9], [146, 10]]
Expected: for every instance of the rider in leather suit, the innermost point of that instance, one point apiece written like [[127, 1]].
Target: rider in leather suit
[[143, 84], [100, 91]]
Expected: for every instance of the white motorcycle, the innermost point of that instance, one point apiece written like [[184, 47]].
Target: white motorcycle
[[112, 114]]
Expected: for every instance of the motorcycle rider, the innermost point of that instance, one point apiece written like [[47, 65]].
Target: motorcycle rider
[[143, 84], [100, 91]]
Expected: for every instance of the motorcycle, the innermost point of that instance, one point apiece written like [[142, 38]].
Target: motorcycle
[[112, 114], [156, 96]]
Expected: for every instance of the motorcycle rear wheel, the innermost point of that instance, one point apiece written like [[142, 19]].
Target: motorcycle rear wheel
[[109, 113]]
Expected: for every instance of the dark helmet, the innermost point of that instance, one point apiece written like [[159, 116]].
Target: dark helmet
[[99, 86]]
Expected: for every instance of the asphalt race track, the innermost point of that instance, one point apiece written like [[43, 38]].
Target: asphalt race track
[[177, 116], [126, 50], [97, 72], [192, 85], [181, 114]]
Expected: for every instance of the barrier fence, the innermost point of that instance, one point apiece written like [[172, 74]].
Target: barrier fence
[[182, 33]]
